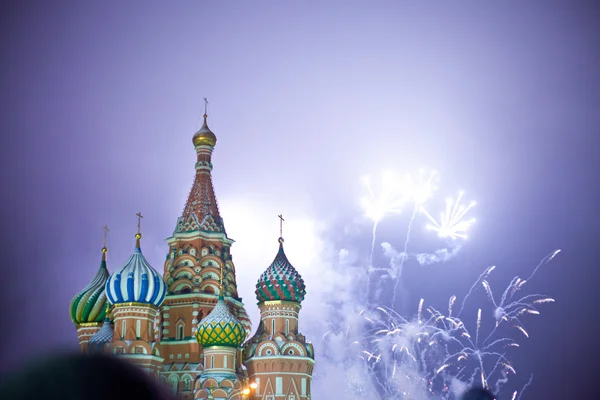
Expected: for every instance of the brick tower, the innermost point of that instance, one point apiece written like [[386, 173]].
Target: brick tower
[[199, 253], [278, 358], [136, 292]]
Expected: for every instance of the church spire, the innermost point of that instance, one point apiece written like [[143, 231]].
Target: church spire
[[201, 212]]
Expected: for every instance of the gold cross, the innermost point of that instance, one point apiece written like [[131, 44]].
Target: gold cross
[[105, 232], [140, 216], [281, 225]]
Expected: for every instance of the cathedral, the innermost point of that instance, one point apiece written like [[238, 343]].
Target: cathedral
[[189, 327]]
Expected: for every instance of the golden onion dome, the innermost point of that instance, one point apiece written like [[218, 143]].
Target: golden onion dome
[[204, 136]]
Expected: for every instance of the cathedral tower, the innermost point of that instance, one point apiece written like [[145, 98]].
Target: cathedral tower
[[188, 326], [278, 358], [199, 253], [136, 292], [88, 307], [221, 335]]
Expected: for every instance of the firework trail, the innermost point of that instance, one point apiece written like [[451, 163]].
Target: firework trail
[[509, 310], [420, 192], [390, 201], [434, 355], [524, 387]]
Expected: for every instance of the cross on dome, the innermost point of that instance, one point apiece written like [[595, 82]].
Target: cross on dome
[[104, 249], [281, 228], [138, 235]]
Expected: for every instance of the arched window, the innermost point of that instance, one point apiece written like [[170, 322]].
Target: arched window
[[180, 332], [287, 326], [123, 326], [273, 326], [138, 329], [212, 361]]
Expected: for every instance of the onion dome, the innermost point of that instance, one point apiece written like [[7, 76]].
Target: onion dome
[[242, 316], [90, 304], [280, 281], [102, 337], [220, 328], [136, 282], [204, 136]]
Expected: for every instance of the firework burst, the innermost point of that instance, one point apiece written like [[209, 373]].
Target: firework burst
[[452, 223], [434, 355]]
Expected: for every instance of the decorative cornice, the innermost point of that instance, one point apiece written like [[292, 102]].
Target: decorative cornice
[[170, 341], [151, 357], [134, 304], [189, 297], [281, 302], [229, 349], [89, 325], [191, 235], [279, 357]]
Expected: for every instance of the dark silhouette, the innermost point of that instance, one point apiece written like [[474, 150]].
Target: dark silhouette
[[83, 376], [478, 394]]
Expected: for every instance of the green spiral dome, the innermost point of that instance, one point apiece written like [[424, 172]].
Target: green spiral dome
[[89, 306]]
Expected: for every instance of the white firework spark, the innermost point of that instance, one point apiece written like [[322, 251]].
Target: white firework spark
[[429, 355], [510, 310], [452, 223]]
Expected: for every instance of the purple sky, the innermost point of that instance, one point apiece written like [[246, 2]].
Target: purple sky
[[100, 101]]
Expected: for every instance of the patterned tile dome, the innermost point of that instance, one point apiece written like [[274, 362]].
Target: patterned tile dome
[[102, 337], [136, 282], [280, 281], [242, 316], [90, 304], [220, 328]]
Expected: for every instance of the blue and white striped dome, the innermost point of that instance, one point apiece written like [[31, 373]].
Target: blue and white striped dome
[[136, 282]]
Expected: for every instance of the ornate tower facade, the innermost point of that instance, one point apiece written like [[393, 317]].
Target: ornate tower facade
[[136, 292], [278, 358], [221, 334], [188, 326], [199, 253]]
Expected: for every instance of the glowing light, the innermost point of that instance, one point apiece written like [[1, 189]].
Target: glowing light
[[246, 391], [390, 200], [452, 223], [253, 385], [422, 189]]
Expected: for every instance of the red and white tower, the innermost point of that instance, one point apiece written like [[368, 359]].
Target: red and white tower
[[199, 253], [279, 359], [136, 292]]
